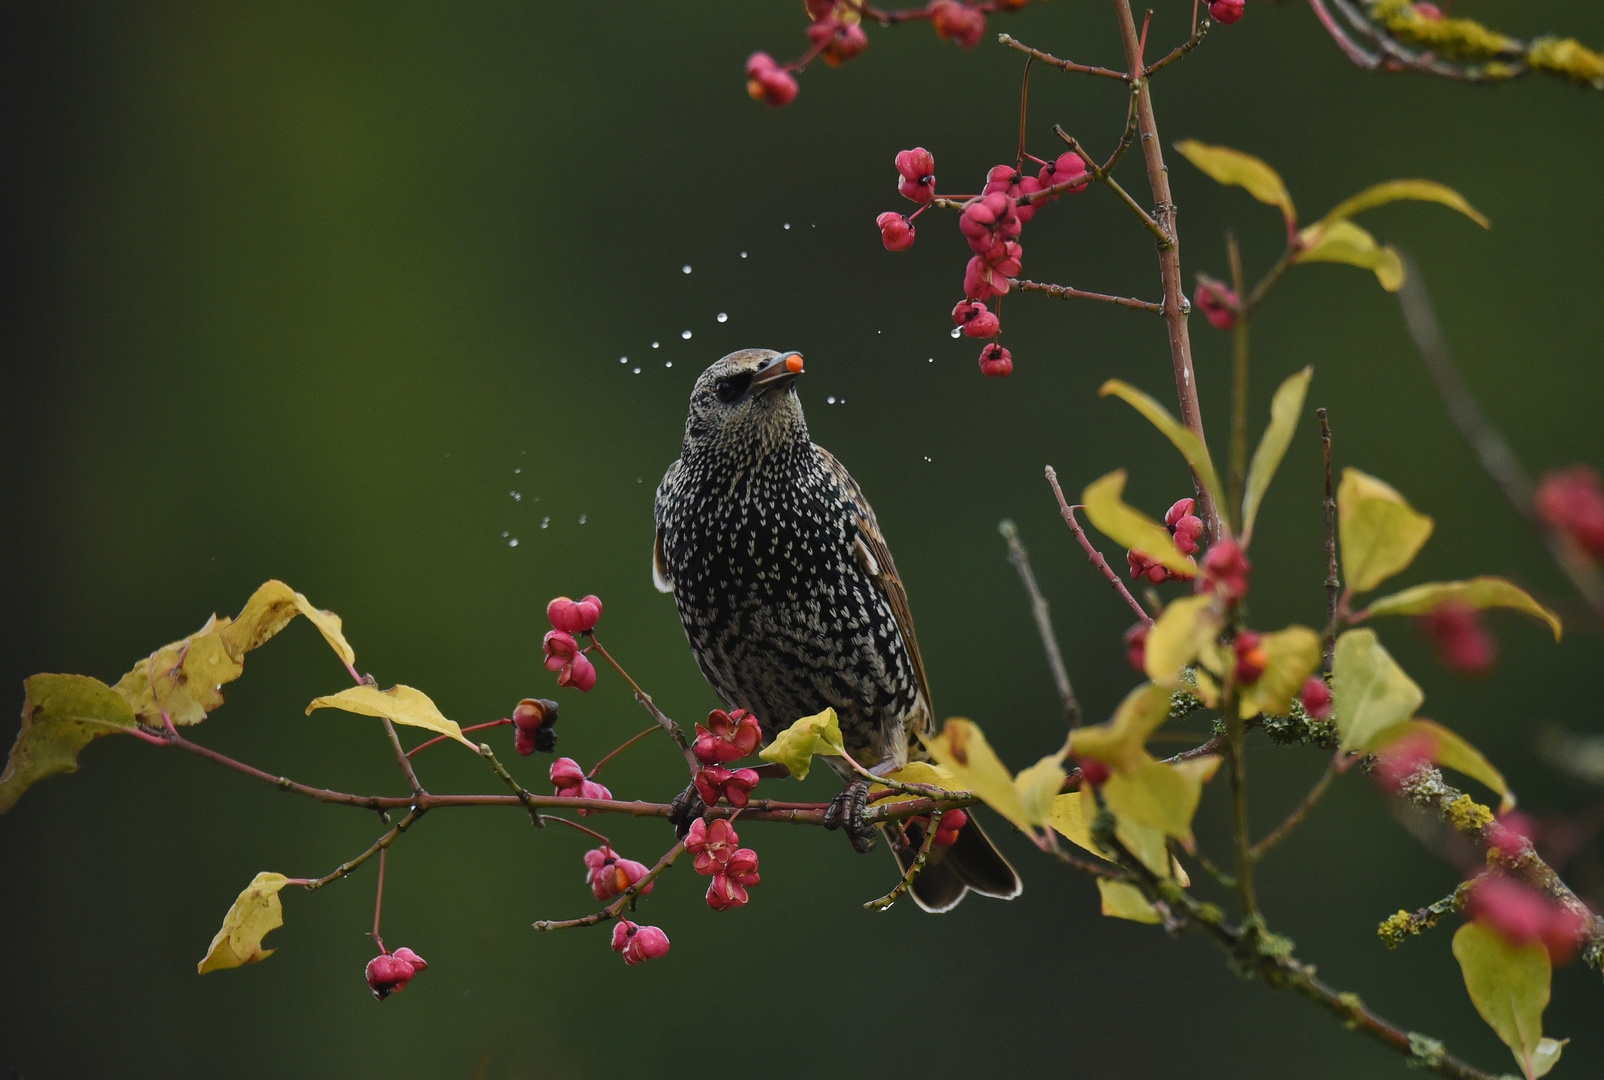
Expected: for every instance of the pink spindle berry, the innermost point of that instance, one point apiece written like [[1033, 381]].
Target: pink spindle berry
[[564, 657], [608, 875], [1227, 12], [1521, 915], [1251, 659], [389, 973], [571, 783], [738, 874], [996, 362], [1462, 643], [1136, 645], [916, 174], [574, 616], [1571, 501], [896, 231], [711, 844], [714, 782], [638, 943], [1070, 168], [1397, 763], [1094, 772], [768, 82], [837, 41], [1185, 526], [1142, 566], [948, 828], [534, 726], [727, 736], [1225, 571], [1316, 698], [1428, 11], [1218, 302], [1511, 833], [580, 674], [957, 22], [975, 320]]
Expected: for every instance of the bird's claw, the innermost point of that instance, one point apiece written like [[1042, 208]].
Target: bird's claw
[[686, 808], [846, 812]]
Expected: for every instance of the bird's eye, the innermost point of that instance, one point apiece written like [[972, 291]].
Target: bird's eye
[[732, 386]]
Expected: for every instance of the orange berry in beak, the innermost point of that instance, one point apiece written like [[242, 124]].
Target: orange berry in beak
[[793, 364]]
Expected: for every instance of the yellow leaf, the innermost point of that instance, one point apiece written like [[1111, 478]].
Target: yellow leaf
[[1509, 985], [1293, 654], [1190, 446], [402, 704], [963, 750], [255, 913], [915, 772], [1369, 690], [1129, 527], [1546, 1056], [1120, 743], [1038, 785], [1380, 532], [1160, 796], [1345, 242], [61, 714], [1285, 409], [1226, 166], [1183, 629], [270, 609], [1122, 900], [795, 746], [1072, 816], [1453, 752], [1481, 592], [1393, 190]]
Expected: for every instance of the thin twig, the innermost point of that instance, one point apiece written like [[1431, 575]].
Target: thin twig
[[378, 899], [1148, 221], [442, 738], [401, 756], [1066, 65], [1281, 831], [616, 908], [1329, 504], [1066, 292], [1239, 386], [906, 881], [650, 706], [1092, 553], [379, 845], [1044, 621], [631, 741], [518, 789], [1236, 742], [1180, 50]]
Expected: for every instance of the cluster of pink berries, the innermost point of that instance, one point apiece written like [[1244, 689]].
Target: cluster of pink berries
[[389, 972], [572, 783], [718, 855], [1186, 528], [726, 737], [534, 725], [563, 654], [1459, 638], [991, 223], [638, 943], [1571, 502], [608, 875]]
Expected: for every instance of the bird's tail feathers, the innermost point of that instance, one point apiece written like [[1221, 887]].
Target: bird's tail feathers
[[971, 864]]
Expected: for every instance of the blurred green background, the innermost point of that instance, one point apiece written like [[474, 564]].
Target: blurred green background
[[339, 294]]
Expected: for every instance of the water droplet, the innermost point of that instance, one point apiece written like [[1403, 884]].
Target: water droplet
[[623, 359], [635, 370], [545, 521], [787, 224], [515, 472], [743, 254], [686, 334], [927, 457], [669, 364], [513, 542], [505, 534], [515, 496], [581, 519], [955, 332], [723, 317], [656, 344], [830, 400], [685, 269], [932, 360]]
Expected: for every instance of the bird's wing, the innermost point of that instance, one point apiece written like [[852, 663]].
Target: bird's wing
[[876, 559], [660, 575]]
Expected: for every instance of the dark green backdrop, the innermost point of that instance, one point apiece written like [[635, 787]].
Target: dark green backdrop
[[308, 290]]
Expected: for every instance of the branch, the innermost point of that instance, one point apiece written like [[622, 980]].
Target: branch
[[1067, 292], [1044, 621], [1065, 65], [616, 908], [1333, 583], [1181, 50], [1092, 553], [1294, 819]]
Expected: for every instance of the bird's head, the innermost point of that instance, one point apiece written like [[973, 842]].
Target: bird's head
[[747, 398]]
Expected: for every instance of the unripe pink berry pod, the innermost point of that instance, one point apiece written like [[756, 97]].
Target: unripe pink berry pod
[[647, 943], [1094, 772], [387, 974], [996, 362], [623, 930], [846, 41], [1399, 761], [1227, 12], [1218, 302], [1142, 566], [1316, 698], [1178, 509], [566, 773], [964, 310], [1225, 570], [766, 81], [896, 232], [978, 280], [1070, 168], [574, 616], [580, 674], [916, 174], [1571, 501], [1461, 641], [524, 742], [956, 22], [1251, 659], [984, 325], [724, 892], [560, 647], [1187, 532], [417, 962], [1136, 646], [1024, 208]]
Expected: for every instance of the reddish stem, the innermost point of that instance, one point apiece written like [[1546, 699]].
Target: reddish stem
[[631, 741], [378, 899], [443, 738]]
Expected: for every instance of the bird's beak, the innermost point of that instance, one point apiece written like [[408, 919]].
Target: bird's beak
[[778, 373]]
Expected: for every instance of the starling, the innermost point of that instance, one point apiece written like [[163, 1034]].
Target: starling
[[791, 602]]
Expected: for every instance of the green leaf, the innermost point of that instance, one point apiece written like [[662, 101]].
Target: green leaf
[[1122, 900], [61, 714], [1380, 532], [402, 704], [1509, 985], [1161, 796], [1285, 408], [1393, 190], [1128, 526], [1452, 751], [1293, 654], [1370, 691], [1481, 592], [1345, 242], [1121, 743], [1182, 631], [962, 749], [1546, 1056], [255, 913], [1226, 166], [796, 745], [1190, 446]]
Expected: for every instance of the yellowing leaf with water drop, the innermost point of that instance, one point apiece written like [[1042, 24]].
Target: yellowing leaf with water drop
[[1292, 656], [402, 704], [796, 745], [1345, 242], [1122, 900], [1370, 692], [1129, 527], [1380, 532], [1226, 166], [1394, 190], [962, 750], [1190, 446], [1182, 631], [1121, 743], [1546, 1056], [1285, 408], [61, 714], [1453, 752], [1509, 985], [256, 912], [1481, 592], [1161, 796]]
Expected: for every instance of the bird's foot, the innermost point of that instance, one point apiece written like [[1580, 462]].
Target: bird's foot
[[686, 808], [846, 812]]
